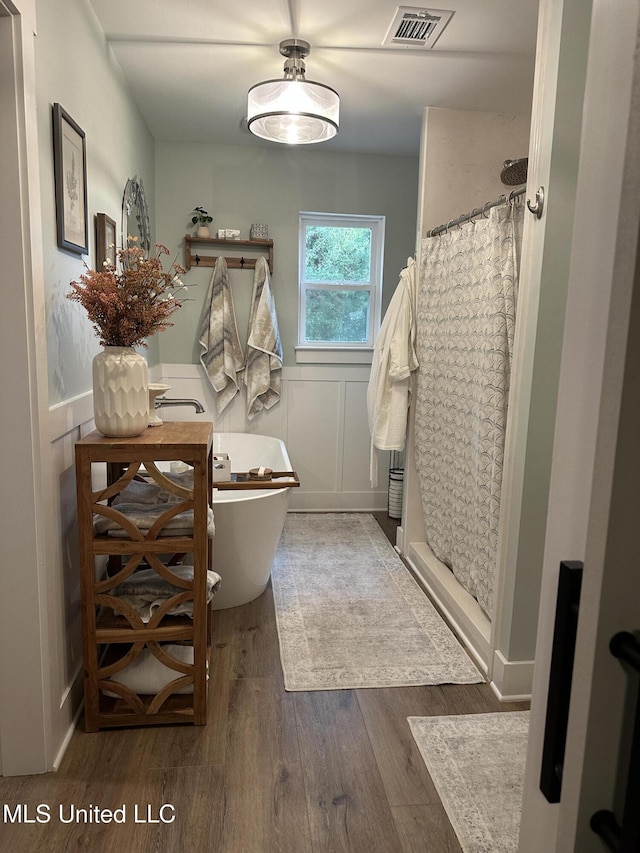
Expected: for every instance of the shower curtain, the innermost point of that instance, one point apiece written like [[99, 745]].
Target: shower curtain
[[466, 307]]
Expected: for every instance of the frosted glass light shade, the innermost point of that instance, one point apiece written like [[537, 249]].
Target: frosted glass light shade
[[296, 112]]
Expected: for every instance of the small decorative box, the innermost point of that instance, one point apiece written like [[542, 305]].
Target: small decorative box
[[259, 231], [221, 468]]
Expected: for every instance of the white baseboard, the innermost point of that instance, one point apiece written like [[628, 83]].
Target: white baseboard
[[72, 696], [57, 761], [512, 681], [300, 501]]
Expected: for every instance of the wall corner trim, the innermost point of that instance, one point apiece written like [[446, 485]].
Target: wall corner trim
[[512, 681]]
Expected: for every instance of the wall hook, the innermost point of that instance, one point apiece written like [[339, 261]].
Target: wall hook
[[197, 260], [538, 207], [242, 263]]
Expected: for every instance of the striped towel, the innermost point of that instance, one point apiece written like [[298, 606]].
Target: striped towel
[[221, 356], [263, 367]]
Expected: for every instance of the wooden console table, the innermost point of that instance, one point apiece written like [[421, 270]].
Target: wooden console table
[[113, 632]]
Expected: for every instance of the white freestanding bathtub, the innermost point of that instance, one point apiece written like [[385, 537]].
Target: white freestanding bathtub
[[248, 521]]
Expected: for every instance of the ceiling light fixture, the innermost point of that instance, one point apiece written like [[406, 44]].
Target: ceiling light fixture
[[293, 110]]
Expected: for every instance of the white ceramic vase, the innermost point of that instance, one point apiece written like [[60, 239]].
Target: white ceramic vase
[[203, 231], [120, 392]]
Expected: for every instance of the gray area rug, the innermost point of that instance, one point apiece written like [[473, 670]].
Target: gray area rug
[[350, 614], [476, 762]]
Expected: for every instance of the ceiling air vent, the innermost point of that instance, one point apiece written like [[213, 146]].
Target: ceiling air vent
[[414, 27]]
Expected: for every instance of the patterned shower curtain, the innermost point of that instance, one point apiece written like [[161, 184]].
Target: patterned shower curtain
[[465, 324]]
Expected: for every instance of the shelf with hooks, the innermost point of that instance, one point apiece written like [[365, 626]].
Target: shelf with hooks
[[193, 246]]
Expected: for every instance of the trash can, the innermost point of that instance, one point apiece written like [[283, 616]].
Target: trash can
[[396, 487]]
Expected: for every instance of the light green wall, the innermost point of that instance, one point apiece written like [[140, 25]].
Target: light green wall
[[74, 67], [239, 185]]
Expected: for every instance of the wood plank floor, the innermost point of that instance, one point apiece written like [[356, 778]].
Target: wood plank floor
[[316, 772]]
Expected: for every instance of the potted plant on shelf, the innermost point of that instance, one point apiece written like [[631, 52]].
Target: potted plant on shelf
[[126, 304], [202, 219]]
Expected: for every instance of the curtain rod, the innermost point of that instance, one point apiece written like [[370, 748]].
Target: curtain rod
[[477, 211]]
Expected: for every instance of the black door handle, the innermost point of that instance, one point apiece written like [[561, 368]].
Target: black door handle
[[625, 838], [561, 672]]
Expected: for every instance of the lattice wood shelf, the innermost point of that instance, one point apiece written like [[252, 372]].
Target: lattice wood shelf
[[113, 640], [194, 246]]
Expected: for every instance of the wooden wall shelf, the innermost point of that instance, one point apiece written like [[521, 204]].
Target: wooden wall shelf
[[193, 247]]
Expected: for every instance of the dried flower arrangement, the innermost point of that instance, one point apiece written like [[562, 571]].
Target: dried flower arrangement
[[133, 300]]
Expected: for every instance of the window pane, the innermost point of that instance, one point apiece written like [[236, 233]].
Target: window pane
[[337, 316], [337, 254]]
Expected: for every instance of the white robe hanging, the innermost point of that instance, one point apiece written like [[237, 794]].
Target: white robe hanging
[[394, 360]]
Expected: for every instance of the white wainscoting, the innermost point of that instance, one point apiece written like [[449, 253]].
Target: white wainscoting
[[321, 417], [67, 423]]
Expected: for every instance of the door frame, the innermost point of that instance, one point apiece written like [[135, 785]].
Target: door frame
[[25, 706], [593, 457]]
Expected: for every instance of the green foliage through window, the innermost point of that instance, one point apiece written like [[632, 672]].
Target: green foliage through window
[[337, 254], [337, 316]]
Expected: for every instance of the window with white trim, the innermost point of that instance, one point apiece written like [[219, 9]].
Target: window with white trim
[[340, 285]]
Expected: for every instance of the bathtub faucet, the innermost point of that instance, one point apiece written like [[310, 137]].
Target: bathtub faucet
[[179, 401]]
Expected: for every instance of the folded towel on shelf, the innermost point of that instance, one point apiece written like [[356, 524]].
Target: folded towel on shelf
[[181, 478], [263, 366], [139, 492], [144, 517], [146, 675], [146, 591], [153, 494], [221, 356], [147, 582]]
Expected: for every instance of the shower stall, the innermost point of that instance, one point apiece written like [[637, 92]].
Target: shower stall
[[452, 517], [466, 307]]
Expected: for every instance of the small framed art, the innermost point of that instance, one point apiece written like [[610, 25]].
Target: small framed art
[[70, 174], [105, 240]]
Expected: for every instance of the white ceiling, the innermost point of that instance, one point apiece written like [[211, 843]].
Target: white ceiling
[[190, 63]]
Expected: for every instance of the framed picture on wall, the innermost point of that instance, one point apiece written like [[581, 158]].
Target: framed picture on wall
[[105, 240], [70, 174]]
